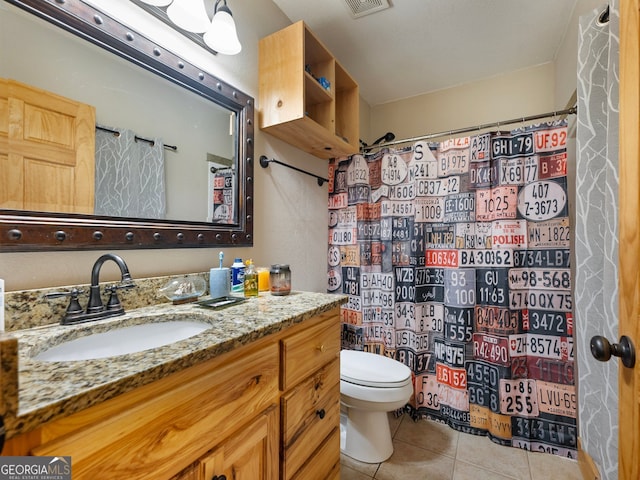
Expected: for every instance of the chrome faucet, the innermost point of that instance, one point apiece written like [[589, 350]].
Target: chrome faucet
[[95, 308]]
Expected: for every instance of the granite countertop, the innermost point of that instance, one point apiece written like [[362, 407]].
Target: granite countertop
[[49, 390]]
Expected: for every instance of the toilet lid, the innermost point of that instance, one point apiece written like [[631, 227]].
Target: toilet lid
[[372, 370]]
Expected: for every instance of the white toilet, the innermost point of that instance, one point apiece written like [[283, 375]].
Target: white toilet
[[371, 385]]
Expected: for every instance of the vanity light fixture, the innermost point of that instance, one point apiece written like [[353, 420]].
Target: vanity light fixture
[[191, 16], [222, 35]]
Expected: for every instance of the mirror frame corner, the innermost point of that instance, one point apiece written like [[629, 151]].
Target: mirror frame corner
[[44, 231]]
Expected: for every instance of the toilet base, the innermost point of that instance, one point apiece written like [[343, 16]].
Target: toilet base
[[367, 436]]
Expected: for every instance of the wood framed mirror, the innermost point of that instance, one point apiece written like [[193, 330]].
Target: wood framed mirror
[[31, 230]]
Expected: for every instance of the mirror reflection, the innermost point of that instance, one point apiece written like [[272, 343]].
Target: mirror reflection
[[133, 177], [170, 145]]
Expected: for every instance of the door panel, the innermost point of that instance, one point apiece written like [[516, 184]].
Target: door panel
[[47, 150], [629, 261]]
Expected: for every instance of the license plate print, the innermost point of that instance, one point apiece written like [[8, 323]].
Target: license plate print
[[480, 147], [545, 346], [551, 140], [460, 208], [557, 399], [486, 258], [496, 320], [454, 398], [545, 369], [509, 233], [482, 175], [540, 300], [511, 171], [542, 200], [391, 208], [549, 323], [439, 236], [551, 258], [563, 434], [491, 348], [429, 209], [512, 145], [350, 255], [519, 397], [524, 444], [497, 203], [485, 419], [541, 279], [343, 236], [437, 187], [454, 377], [427, 392], [553, 166], [550, 234]]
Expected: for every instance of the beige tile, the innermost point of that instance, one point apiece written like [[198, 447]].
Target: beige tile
[[544, 466], [347, 473], [480, 451], [430, 435], [414, 463], [466, 471], [366, 468]]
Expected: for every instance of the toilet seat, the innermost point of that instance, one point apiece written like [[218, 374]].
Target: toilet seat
[[372, 370]]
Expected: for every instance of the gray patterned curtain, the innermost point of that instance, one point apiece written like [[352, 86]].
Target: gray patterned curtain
[[129, 176], [455, 257], [596, 237]]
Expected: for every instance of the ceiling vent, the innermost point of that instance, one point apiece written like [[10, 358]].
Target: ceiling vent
[[360, 8]]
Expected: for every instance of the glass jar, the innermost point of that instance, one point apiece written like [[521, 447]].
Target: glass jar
[[280, 279]]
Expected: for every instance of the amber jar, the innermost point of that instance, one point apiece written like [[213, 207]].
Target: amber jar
[[280, 279]]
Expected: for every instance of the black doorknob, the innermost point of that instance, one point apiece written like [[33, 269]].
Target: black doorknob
[[602, 350]]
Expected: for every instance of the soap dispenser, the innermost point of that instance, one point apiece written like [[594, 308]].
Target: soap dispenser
[[250, 280]]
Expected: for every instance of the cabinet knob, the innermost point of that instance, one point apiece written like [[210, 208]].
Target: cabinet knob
[[320, 348], [320, 413], [219, 477]]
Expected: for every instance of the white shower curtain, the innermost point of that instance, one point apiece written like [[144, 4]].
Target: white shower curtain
[[129, 176], [596, 239]]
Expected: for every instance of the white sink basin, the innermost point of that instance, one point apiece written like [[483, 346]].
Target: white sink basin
[[121, 341]]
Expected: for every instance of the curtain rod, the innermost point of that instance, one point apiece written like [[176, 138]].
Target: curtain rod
[[137, 138], [569, 111]]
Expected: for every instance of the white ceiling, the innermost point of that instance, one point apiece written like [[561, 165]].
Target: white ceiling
[[419, 46]]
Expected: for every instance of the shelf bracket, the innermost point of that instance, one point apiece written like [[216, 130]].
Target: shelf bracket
[[264, 163]]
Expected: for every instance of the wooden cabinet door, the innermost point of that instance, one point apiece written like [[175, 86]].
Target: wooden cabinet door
[[251, 454], [629, 252], [47, 151]]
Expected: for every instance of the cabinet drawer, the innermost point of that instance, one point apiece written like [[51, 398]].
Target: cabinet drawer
[[310, 412], [306, 351], [324, 464]]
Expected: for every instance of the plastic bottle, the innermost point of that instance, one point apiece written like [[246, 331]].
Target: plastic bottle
[[237, 277], [250, 280]]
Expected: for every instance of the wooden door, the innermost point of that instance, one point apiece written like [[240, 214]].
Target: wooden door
[[629, 256], [251, 454], [47, 150]]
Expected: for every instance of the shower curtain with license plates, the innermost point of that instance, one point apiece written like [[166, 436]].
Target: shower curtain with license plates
[[455, 260]]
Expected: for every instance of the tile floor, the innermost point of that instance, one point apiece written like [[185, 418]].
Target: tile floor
[[426, 450]]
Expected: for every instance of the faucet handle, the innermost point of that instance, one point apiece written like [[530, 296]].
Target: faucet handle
[[73, 293], [74, 307], [114, 302]]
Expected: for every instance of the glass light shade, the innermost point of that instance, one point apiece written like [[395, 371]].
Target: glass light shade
[[157, 3], [190, 15], [221, 35]]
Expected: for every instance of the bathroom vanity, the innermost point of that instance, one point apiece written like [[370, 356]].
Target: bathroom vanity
[[256, 396]]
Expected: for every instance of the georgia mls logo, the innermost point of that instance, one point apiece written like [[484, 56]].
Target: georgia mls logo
[[35, 468]]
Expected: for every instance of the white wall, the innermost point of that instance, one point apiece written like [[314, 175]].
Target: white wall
[[512, 95]]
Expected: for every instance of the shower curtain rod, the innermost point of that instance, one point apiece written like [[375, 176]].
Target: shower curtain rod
[[137, 138], [569, 111]]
